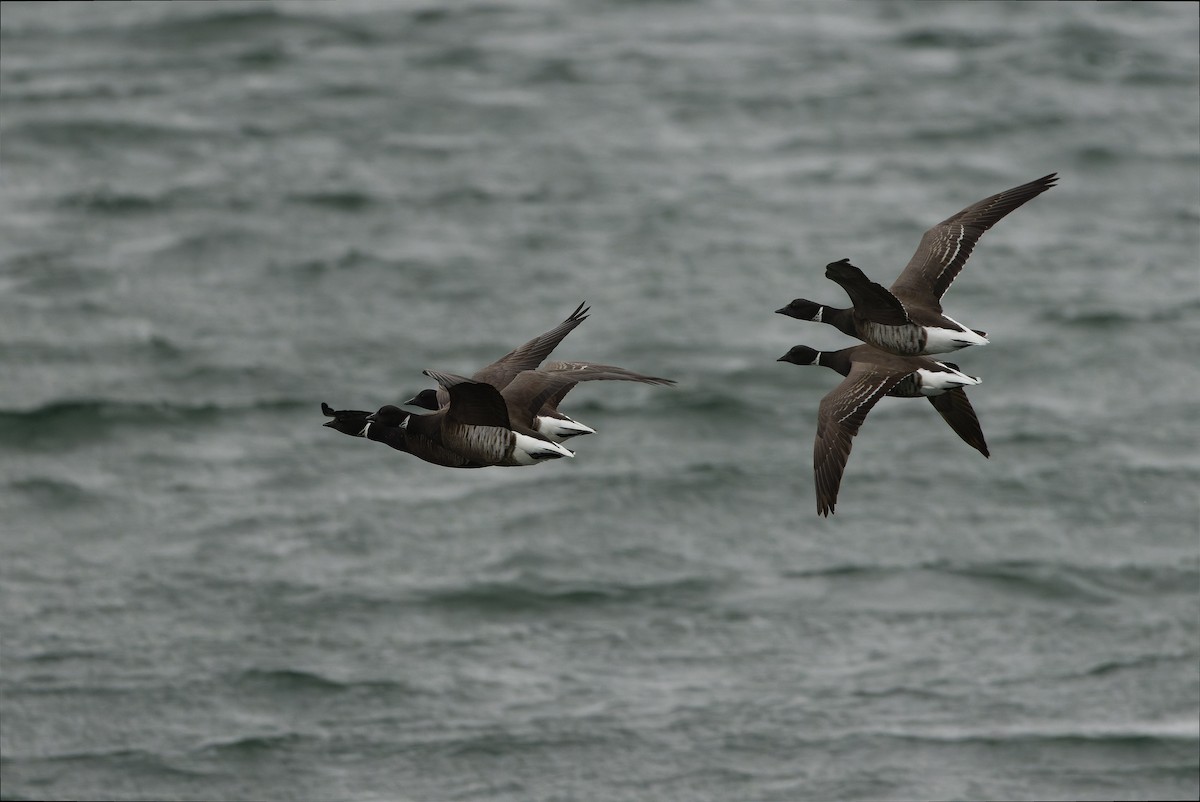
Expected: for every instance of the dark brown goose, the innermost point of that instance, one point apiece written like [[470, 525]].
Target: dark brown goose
[[358, 423], [533, 396], [870, 375], [472, 430], [908, 319]]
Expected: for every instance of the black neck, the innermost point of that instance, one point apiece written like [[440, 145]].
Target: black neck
[[840, 319], [837, 360], [388, 435]]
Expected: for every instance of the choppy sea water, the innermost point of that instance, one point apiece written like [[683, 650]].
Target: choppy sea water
[[214, 217]]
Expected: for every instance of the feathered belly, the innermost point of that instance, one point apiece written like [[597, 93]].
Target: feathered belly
[[438, 454], [490, 445], [908, 387], [905, 340]]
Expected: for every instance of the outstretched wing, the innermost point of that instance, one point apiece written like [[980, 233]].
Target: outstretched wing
[[533, 390], [944, 249], [956, 410], [589, 371], [531, 354], [446, 379], [839, 418]]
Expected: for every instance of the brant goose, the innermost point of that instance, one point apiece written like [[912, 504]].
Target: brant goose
[[907, 319], [870, 375], [473, 428], [358, 423], [505, 369], [533, 396]]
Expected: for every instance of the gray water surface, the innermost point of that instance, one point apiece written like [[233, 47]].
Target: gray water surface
[[213, 217]]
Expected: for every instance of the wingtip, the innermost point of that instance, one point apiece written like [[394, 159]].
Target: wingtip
[[842, 269], [581, 313]]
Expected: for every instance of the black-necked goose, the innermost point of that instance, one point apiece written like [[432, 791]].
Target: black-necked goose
[[360, 423], [870, 375], [472, 430], [505, 369], [908, 319], [533, 396]]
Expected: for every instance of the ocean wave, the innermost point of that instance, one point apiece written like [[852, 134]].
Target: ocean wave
[[354, 258], [506, 742], [247, 746], [90, 419], [1133, 732], [52, 493], [220, 24], [1115, 317], [348, 200], [142, 762], [297, 681], [109, 201], [530, 594], [291, 679], [921, 37], [89, 134], [1042, 580], [1139, 662]]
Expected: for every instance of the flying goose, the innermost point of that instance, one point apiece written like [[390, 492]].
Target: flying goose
[[472, 430], [359, 423], [907, 319], [870, 375]]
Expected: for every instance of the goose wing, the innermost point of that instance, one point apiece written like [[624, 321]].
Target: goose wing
[[839, 418], [533, 390], [531, 354], [475, 404], [945, 248], [873, 301], [956, 410]]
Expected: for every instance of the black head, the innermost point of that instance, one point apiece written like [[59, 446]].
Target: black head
[[801, 355], [426, 399], [801, 309], [346, 421], [389, 415]]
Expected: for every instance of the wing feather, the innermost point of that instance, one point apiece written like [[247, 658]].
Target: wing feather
[[839, 418], [945, 248]]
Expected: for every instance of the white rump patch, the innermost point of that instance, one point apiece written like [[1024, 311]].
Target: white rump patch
[[559, 429], [531, 451], [939, 340], [936, 382]]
